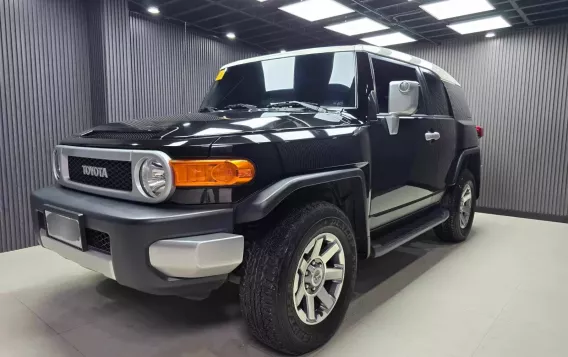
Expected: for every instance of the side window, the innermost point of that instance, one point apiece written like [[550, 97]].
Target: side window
[[460, 109], [437, 93], [386, 72]]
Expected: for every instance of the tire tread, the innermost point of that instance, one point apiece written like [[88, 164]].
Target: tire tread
[[263, 263]]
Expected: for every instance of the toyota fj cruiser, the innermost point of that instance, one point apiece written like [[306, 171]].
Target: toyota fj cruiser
[[276, 183]]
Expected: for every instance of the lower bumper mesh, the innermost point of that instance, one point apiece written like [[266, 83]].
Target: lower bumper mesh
[[97, 240]]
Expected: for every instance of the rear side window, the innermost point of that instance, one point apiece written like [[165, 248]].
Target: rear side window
[[438, 96], [386, 72], [459, 103]]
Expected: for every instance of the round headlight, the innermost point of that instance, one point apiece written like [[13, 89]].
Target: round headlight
[[153, 177], [56, 163]]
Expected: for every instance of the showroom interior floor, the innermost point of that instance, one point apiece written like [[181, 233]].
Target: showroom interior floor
[[502, 293]]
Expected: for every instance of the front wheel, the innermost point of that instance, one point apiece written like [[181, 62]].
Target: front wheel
[[460, 201], [298, 280]]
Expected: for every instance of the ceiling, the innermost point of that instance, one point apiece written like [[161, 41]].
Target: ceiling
[[263, 26]]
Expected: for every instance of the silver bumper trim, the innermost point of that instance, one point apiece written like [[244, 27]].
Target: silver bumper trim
[[190, 257], [197, 256], [92, 260]]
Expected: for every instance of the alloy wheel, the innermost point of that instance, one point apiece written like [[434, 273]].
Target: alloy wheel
[[465, 206], [319, 278]]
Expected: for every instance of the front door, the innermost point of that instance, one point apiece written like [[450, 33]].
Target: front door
[[403, 166]]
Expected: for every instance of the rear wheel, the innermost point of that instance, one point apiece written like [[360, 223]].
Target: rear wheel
[[460, 201], [298, 280]]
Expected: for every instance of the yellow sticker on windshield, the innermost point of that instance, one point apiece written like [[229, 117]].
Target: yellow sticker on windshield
[[220, 74]]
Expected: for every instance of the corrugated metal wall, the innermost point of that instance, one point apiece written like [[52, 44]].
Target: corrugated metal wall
[[173, 67], [44, 96], [109, 45], [517, 88], [158, 68]]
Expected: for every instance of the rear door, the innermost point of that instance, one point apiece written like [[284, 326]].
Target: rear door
[[440, 115], [403, 167]]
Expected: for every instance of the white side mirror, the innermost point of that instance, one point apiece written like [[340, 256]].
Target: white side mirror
[[403, 100]]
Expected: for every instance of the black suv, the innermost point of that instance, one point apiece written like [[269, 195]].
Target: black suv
[[277, 183]]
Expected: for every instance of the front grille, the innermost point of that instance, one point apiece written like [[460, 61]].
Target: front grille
[[119, 174], [97, 240], [123, 135]]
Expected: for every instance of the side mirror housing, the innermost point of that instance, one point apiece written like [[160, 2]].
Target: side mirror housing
[[372, 105], [403, 100], [403, 97]]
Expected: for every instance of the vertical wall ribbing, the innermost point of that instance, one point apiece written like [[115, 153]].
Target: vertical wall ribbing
[[44, 96], [172, 67], [110, 51]]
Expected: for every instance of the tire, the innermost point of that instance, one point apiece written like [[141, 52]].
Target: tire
[[271, 269], [454, 230]]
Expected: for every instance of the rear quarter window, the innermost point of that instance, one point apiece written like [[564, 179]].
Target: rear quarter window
[[458, 101], [439, 104]]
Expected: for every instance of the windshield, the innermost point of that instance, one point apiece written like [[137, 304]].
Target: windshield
[[325, 79]]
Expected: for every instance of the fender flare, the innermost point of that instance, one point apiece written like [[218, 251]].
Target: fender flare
[[456, 168], [261, 203]]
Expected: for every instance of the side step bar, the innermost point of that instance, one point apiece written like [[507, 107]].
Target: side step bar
[[402, 235]]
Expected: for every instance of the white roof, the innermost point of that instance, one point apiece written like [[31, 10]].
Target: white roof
[[380, 51]]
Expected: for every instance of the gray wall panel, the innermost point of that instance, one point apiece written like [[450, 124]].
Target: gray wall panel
[[118, 57], [44, 96], [174, 67], [158, 68], [517, 88], [109, 46]]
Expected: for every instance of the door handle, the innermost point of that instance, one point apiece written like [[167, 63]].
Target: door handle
[[429, 136]]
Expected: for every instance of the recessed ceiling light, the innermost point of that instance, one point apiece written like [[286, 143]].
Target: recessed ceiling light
[[231, 35], [153, 10], [490, 34], [389, 39], [314, 10], [454, 8], [488, 23], [357, 27]]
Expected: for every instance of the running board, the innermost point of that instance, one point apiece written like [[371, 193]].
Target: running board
[[402, 235]]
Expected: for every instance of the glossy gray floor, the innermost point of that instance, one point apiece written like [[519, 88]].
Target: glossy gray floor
[[502, 293]]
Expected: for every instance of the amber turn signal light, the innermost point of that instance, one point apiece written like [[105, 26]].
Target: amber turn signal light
[[212, 172]]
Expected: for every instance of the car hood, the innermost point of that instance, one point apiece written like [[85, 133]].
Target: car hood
[[220, 123]]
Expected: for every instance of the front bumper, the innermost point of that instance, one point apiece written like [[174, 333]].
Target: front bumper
[[159, 250]]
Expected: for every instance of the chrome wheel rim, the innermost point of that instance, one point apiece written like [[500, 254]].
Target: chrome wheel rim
[[465, 206], [319, 278]]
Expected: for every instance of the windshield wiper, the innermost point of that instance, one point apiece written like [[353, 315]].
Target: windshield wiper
[[240, 106], [294, 103], [207, 109]]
